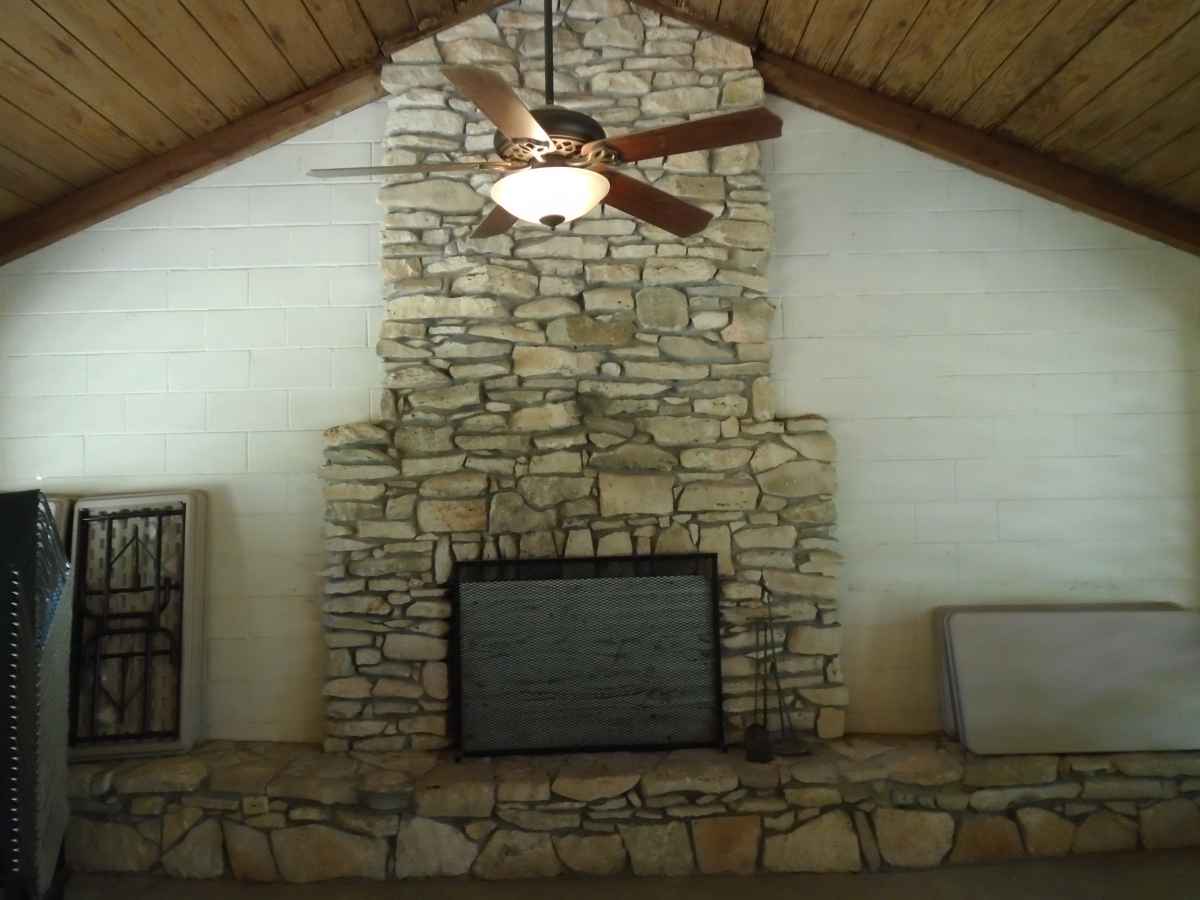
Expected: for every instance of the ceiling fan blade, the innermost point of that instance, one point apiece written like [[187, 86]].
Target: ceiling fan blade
[[652, 205], [758, 124], [496, 100], [498, 221], [406, 170]]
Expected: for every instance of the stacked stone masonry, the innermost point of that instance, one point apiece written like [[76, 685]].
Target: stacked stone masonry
[[597, 390], [263, 812]]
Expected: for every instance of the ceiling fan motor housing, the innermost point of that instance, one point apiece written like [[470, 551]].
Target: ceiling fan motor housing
[[569, 131]]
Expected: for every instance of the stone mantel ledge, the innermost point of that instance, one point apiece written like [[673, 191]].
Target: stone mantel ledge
[[291, 812]]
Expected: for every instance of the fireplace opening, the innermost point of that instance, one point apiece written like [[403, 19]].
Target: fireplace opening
[[618, 653]]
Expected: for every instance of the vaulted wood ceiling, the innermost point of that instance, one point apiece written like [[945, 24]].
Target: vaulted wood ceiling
[[104, 103]]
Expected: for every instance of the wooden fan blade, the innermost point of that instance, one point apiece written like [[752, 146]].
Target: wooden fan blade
[[652, 205], [406, 170], [758, 124], [496, 100], [499, 220]]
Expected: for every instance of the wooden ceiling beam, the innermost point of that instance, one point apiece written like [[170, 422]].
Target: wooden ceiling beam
[[188, 162], [981, 152]]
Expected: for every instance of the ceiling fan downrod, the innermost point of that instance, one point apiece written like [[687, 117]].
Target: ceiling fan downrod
[[549, 37]]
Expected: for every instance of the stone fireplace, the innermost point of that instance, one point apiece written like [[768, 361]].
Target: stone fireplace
[[599, 390]]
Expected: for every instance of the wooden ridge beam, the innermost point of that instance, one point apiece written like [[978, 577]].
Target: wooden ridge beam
[[189, 162], [981, 152]]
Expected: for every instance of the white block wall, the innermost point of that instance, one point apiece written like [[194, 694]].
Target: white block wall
[[203, 340], [1013, 387]]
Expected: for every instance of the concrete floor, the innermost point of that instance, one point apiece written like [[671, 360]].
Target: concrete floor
[[1142, 876]]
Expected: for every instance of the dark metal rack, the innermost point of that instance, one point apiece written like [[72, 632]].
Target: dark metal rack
[[128, 639]]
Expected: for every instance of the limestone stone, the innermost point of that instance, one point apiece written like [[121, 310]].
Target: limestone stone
[[694, 349], [727, 845], [198, 855], [500, 281], [717, 460], [435, 194], [681, 100], [249, 852], [718, 496], [717, 540], [912, 838], [996, 799], [589, 778], [550, 490], [456, 484], [628, 84], [615, 543], [435, 680], [414, 647], [1045, 833], [547, 417], [658, 849], [673, 270], [584, 331], [429, 849], [456, 396], [676, 539], [93, 846], [398, 79], [1162, 765], [410, 438], [547, 308], [517, 854], [540, 820], [662, 309], [687, 770], [824, 844], [429, 306], [987, 839], [622, 32], [1174, 823], [1105, 832], [738, 160], [308, 853], [424, 121], [178, 822], [511, 514], [622, 494], [531, 361], [676, 431], [813, 796], [1127, 789], [714, 52], [472, 51], [456, 791], [739, 233], [172, 773], [562, 247], [452, 515], [770, 455], [779, 536], [743, 92], [1007, 771], [602, 854], [814, 445], [799, 478], [800, 584], [635, 457]]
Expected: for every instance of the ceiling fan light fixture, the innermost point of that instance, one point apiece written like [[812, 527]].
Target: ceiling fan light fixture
[[551, 195]]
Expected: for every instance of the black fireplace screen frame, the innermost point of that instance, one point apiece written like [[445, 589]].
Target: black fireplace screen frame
[[474, 571]]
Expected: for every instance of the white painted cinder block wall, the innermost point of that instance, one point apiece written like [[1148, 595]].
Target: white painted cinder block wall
[[1013, 387], [203, 340]]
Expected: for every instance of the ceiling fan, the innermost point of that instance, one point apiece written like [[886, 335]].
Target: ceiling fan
[[559, 163]]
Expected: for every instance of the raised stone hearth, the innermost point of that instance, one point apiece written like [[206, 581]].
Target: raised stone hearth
[[267, 812], [598, 390]]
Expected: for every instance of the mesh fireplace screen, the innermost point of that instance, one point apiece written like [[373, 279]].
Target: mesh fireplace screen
[[595, 654]]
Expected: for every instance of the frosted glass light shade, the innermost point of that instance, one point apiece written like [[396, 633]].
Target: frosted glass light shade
[[550, 195]]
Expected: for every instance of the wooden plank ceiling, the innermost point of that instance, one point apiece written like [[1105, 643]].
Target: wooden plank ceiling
[[1108, 86], [93, 88]]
